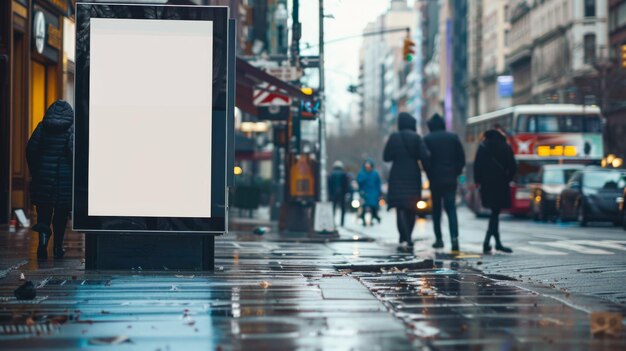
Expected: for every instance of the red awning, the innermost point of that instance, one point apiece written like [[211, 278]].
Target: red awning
[[248, 77]]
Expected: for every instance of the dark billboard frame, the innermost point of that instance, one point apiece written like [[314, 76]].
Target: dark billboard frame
[[216, 224]]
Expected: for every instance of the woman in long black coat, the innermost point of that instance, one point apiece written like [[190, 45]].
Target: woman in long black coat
[[405, 148], [49, 156], [494, 169]]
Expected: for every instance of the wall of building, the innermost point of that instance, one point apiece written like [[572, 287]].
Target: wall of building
[[33, 72]]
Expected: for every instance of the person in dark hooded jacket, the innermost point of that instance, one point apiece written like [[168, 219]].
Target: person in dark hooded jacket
[[405, 149], [494, 169], [338, 189], [49, 157], [447, 160]]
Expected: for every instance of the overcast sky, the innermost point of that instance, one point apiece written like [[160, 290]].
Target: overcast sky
[[342, 58]]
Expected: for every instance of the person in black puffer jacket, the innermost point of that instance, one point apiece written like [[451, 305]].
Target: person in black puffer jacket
[[49, 156], [447, 160], [494, 169], [405, 148]]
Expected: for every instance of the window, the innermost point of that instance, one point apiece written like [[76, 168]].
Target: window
[[574, 179], [547, 124], [557, 176], [604, 179], [522, 124], [590, 47], [590, 8], [593, 124]]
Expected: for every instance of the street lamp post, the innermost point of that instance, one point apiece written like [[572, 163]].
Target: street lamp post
[[322, 111], [324, 219]]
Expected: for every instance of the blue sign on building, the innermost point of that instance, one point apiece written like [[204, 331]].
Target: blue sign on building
[[505, 86]]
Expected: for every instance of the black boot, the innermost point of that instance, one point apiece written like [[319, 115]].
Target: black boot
[[499, 245], [58, 245], [42, 248], [438, 243], [486, 246], [455, 244]]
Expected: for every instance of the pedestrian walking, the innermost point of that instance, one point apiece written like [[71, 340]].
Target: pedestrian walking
[[338, 188], [447, 160], [49, 157], [369, 189], [494, 169], [405, 149]]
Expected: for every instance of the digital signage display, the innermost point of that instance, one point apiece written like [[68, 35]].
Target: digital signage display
[[150, 128]]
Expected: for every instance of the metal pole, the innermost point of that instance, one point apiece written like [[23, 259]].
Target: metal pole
[[322, 111]]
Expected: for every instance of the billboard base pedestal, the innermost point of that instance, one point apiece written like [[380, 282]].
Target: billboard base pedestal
[[149, 251]]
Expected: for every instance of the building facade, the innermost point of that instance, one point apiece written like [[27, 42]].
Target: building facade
[[615, 102], [34, 73], [558, 50], [429, 22], [386, 81]]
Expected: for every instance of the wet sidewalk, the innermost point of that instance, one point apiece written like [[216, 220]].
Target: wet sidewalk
[[274, 293]]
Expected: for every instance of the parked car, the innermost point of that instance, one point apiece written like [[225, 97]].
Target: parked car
[[547, 187], [591, 195]]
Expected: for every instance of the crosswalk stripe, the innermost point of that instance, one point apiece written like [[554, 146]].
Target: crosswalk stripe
[[573, 247], [603, 243], [540, 251]]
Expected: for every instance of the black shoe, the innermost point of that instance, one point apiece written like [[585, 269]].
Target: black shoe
[[438, 244], [455, 245], [58, 252], [502, 248], [42, 247]]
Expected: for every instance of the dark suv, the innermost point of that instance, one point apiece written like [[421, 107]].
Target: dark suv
[[546, 189], [593, 194]]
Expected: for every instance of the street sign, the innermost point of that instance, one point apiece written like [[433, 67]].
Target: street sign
[[310, 61], [268, 95], [286, 73]]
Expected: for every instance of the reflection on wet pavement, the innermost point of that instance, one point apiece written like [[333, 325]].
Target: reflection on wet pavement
[[281, 295]]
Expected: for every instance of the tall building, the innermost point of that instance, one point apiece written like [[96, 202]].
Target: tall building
[[429, 22], [387, 86], [557, 50], [474, 55], [520, 50], [453, 62], [615, 98]]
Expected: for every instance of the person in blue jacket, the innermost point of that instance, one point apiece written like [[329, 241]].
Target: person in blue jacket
[[369, 189]]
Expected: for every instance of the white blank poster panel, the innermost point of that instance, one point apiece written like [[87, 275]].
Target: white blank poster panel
[[150, 118]]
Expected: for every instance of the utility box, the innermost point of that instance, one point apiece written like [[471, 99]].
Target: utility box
[[154, 98]]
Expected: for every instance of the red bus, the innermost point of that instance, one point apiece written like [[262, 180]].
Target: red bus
[[539, 135]]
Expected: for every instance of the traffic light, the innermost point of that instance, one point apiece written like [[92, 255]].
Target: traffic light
[[407, 49], [623, 56]]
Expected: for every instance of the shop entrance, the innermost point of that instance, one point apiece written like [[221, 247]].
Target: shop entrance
[[19, 125]]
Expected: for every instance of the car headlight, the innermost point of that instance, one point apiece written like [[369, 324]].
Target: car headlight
[[421, 205], [355, 204]]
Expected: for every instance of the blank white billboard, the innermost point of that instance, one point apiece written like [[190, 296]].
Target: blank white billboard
[[150, 118]]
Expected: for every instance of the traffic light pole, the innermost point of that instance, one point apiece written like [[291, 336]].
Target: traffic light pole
[[324, 221], [322, 111]]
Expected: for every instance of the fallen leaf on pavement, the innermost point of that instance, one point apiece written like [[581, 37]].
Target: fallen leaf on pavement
[[113, 340], [265, 284], [606, 323]]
